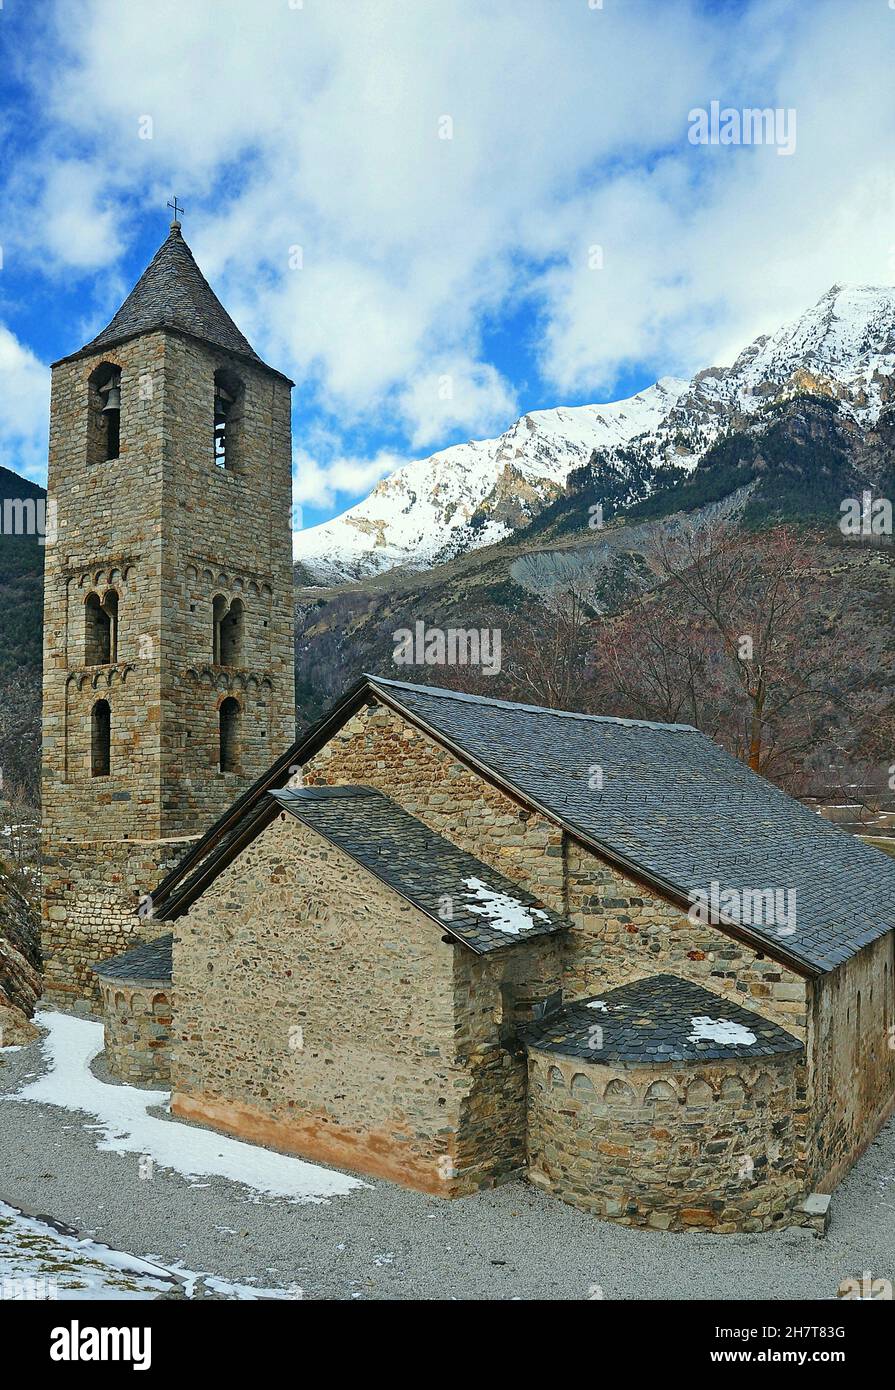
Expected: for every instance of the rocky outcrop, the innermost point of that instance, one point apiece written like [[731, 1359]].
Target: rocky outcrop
[[20, 964]]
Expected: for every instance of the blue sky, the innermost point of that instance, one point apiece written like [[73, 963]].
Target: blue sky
[[446, 170]]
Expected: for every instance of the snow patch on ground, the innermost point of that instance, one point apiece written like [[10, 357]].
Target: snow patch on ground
[[125, 1125], [503, 912], [598, 1004], [720, 1030], [39, 1262], [248, 1292]]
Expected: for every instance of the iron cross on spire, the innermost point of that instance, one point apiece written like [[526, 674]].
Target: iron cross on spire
[[177, 208]]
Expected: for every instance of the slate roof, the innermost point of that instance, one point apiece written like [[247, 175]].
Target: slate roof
[[150, 962], [488, 911], [657, 1020], [172, 292], [675, 804], [674, 810]]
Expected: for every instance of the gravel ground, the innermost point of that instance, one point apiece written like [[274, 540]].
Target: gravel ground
[[383, 1242]]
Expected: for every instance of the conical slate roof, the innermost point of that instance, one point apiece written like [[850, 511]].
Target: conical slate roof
[[172, 292], [660, 1019]]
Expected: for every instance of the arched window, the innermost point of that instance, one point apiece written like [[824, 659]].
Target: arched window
[[228, 393], [104, 433], [228, 630], [101, 629], [100, 739], [231, 634], [219, 607], [110, 608], [229, 718]]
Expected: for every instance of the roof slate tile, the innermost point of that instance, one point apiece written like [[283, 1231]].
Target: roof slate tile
[[172, 292], [655, 1020], [467, 898]]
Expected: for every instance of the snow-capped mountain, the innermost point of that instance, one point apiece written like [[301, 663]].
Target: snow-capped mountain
[[476, 493]]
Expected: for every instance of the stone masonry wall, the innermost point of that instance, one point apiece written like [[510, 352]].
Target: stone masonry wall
[[852, 1044], [91, 911], [622, 930], [106, 538], [377, 748], [137, 1030], [227, 532], [714, 1146], [320, 1013], [493, 995]]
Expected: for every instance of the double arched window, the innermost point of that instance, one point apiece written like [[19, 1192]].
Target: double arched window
[[229, 631]]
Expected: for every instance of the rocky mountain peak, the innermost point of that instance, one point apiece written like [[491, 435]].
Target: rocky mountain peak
[[467, 496]]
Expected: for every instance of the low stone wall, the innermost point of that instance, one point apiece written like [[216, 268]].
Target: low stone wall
[[711, 1146], [91, 893], [855, 817], [137, 1018]]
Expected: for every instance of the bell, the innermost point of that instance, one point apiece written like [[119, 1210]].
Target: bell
[[113, 399]]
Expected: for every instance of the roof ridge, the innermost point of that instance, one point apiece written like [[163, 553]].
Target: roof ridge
[[342, 791], [532, 709]]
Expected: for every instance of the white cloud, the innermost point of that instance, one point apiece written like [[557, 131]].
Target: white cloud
[[318, 128], [456, 394], [701, 255], [320, 477], [24, 407], [76, 221]]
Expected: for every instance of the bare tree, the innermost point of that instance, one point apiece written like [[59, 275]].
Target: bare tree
[[731, 638], [20, 735], [549, 652], [862, 776], [655, 662], [20, 836]]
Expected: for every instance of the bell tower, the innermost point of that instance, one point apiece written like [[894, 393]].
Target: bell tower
[[168, 636]]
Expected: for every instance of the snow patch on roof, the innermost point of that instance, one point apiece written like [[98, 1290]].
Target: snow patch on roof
[[720, 1030], [502, 911]]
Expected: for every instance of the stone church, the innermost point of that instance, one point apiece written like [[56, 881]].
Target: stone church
[[441, 939]]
